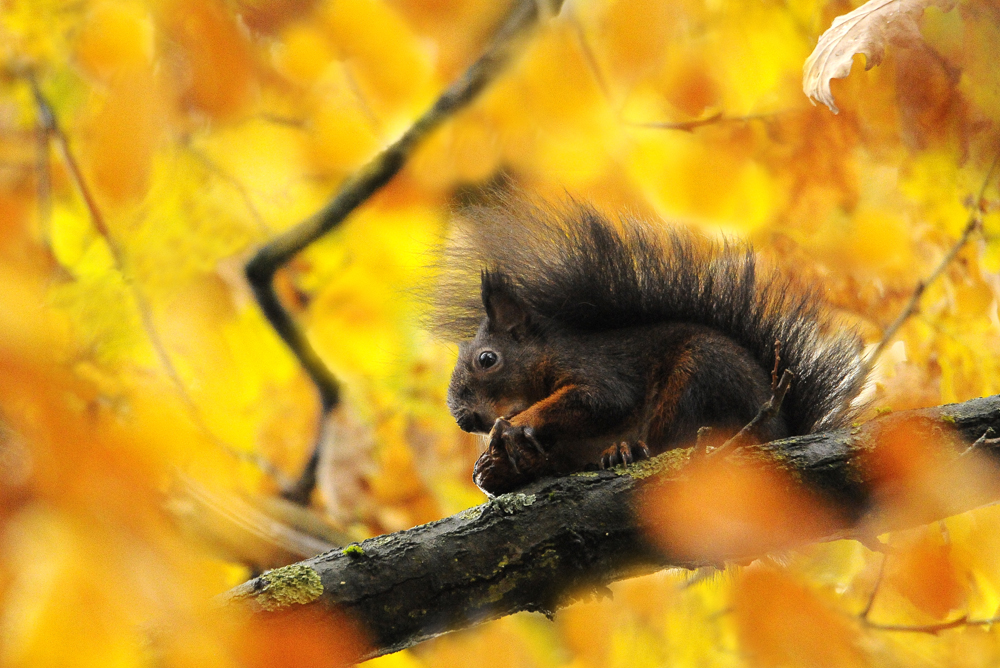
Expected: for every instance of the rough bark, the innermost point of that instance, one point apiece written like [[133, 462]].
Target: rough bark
[[539, 548]]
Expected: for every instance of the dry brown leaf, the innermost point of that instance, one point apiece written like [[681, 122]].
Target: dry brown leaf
[[866, 30]]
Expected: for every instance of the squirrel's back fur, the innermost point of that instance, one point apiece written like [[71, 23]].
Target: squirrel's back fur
[[588, 273]]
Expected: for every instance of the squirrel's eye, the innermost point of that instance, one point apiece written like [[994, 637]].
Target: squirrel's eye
[[487, 358]]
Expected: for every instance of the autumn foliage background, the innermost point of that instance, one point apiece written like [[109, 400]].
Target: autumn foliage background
[[149, 415]]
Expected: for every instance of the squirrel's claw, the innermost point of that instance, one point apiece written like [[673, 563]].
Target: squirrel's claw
[[497, 444], [529, 434], [514, 457], [643, 451], [623, 454], [518, 442]]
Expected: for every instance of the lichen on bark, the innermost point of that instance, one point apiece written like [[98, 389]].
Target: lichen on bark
[[286, 586]]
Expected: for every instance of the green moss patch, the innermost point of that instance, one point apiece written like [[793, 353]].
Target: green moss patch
[[473, 513], [282, 587], [671, 460], [513, 503]]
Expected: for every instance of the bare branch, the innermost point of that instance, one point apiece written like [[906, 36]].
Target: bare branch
[[749, 434], [49, 126], [932, 629], [588, 53], [43, 172], [717, 118], [364, 183], [975, 222], [251, 531], [878, 583]]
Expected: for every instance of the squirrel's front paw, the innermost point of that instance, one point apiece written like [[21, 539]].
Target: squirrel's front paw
[[624, 454], [513, 458], [519, 443]]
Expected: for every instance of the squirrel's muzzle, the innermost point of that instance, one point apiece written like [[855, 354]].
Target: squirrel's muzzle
[[472, 422]]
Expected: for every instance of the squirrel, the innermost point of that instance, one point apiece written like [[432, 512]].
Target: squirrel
[[590, 343]]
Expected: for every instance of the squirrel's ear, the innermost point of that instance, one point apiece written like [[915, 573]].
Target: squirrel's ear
[[504, 311]]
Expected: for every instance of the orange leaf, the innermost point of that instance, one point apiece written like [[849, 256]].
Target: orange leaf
[[690, 87], [721, 511], [300, 637], [917, 479], [220, 76], [124, 136], [781, 622], [115, 39], [269, 16], [636, 34], [926, 574]]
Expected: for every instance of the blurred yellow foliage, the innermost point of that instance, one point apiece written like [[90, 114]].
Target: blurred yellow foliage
[[202, 128], [782, 622], [115, 39]]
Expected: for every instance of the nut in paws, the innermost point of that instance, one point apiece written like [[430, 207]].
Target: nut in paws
[[518, 442]]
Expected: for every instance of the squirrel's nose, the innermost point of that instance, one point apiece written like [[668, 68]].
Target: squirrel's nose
[[482, 425], [466, 421], [472, 422]]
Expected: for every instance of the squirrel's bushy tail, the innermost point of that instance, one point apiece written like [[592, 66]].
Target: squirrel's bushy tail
[[572, 265]]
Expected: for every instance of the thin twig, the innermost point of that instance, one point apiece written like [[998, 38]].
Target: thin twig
[[974, 223], [774, 371], [359, 96], [767, 412], [237, 185], [864, 615], [368, 180], [49, 124], [215, 513], [717, 118], [287, 121], [43, 172], [588, 53], [878, 583], [981, 441], [932, 629]]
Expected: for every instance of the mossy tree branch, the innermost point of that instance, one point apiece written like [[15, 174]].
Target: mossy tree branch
[[536, 549]]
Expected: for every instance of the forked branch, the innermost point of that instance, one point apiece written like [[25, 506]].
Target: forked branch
[[368, 180]]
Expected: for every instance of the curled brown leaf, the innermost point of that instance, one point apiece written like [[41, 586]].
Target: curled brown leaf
[[867, 30]]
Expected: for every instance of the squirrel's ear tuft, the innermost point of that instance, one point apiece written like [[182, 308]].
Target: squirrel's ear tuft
[[504, 311]]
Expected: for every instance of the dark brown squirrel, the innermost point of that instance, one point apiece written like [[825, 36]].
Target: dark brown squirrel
[[590, 343]]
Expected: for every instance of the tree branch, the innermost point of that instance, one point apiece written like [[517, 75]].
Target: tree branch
[[368, 180], [558, 538], [974, 222]]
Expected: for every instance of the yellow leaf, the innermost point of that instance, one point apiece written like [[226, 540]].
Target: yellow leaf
[[115, 39]]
